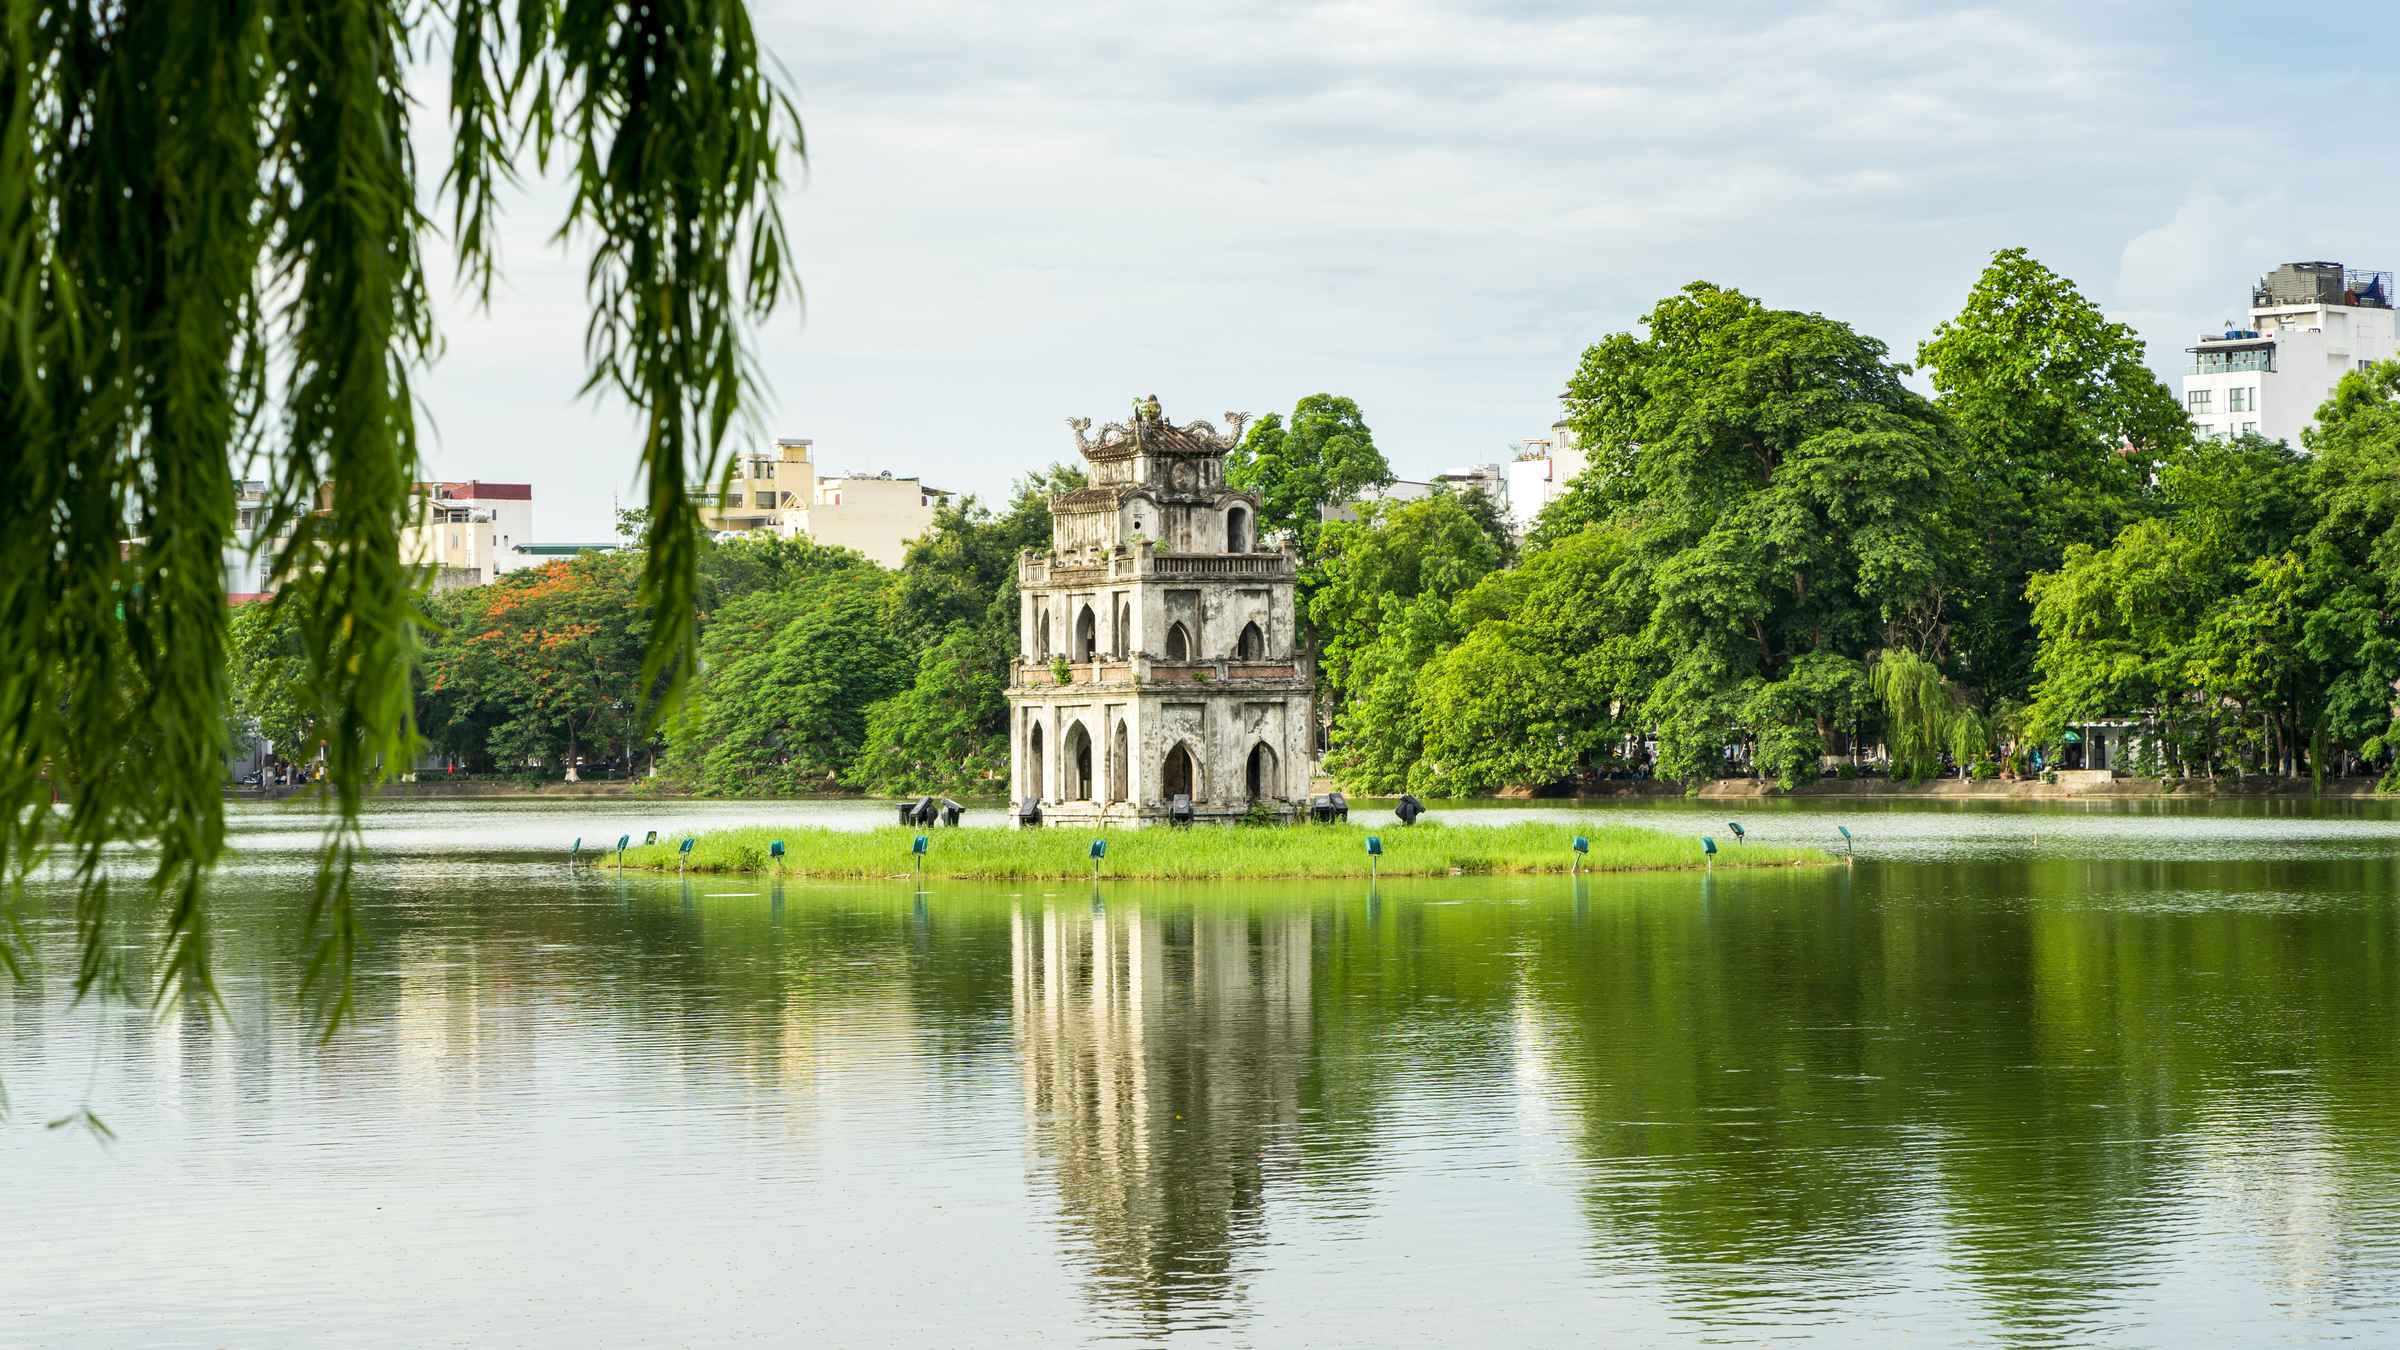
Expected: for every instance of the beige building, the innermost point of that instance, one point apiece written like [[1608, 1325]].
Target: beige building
[[876, 514], [468, 532]]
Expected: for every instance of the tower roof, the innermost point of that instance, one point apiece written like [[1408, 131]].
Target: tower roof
[[1149, 432]]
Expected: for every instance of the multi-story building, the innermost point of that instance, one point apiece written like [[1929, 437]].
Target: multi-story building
[[1485, 478], [762, 487], [468, 532], [2310, 323], [876, 514], [1540, 473], [1160, 660]]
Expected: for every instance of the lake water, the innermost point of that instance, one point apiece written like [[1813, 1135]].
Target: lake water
[[2123, 1074]]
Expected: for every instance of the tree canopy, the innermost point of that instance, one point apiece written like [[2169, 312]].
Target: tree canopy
[[1324, 456]]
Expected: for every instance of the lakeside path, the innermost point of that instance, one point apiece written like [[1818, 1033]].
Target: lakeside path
[[1227, 852]]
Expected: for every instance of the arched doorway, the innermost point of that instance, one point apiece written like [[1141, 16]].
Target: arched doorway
[[1179, 643], [1237, 531], [1076, 759], [1087, 636], [1176, 778], [1124, 629], [1033, 765], [1261, 774], [1252, 646], [1120, 765], [1041, 637]]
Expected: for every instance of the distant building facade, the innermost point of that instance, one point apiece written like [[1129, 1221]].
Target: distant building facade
[[1174, 629], [468, 533], [1540, 473], [1485, 478], [2310, 324], [876, 514]]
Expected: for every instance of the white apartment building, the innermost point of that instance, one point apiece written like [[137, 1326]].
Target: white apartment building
[[2310, 324], [876, 514], [469, 532], [249, 568], [1540, 473]]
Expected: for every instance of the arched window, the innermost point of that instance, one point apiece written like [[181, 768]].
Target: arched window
[[1041, 637], [1261, 776], [1087, 636], [1252, 646], [1179, 643], [1237, 531], [1076, 759], [1124, 629], [1176, 778], [1034, 787], [1120, 766]]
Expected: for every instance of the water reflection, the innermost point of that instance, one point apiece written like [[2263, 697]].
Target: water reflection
[[1161, 1057], [2048, 1098]]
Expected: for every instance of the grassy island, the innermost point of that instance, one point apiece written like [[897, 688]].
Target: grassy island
[[1208, 852]]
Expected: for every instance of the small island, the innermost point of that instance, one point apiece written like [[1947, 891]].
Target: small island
[[992, 853]]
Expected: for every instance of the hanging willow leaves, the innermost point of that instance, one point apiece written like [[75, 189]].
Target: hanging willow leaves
[[210, 261]]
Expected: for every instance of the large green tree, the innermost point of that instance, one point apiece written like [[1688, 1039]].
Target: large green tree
[[948, 730], [1542, 683], [2198, 618], [1324, 456], [1382, 609], [1784, 493], [788, 676], [210, 228], [2060, 425], [540, 665]]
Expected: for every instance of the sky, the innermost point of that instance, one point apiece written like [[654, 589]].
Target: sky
[[1013, 215]]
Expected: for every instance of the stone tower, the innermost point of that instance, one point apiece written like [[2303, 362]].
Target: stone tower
[[1158, 651]]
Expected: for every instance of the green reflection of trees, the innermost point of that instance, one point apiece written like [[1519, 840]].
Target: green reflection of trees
[[1785, 1090]]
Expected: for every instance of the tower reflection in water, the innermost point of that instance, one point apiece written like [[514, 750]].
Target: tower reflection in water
[[1162, 1054]]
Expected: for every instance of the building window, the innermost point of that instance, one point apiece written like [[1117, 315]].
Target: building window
[[2249, 428], [2365, 364], [2238, 400], [2197, 400]]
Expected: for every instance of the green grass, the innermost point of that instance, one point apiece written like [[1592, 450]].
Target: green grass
[[1207, 851]]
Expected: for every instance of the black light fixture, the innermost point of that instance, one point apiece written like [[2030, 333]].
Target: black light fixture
[[1179, 809], [1029, 811], [951, 811], [1408, 809]]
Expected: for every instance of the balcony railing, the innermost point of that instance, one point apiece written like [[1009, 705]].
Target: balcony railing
[[1262, 566], [2233, 362]]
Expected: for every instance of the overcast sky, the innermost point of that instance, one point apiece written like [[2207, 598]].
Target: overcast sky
[[1012, 215]]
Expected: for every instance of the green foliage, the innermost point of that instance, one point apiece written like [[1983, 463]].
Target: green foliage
[[788, 677], [2060, 423], [1382, 609], [209, 216], [948, 731], [267, 678], [1538, 686], [543, 664], [1783, 490], [1920, 712], [2217, 620], [957, 596], [1324, 456]]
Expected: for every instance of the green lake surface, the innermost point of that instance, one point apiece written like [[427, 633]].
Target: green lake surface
[[2123, 1074]]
